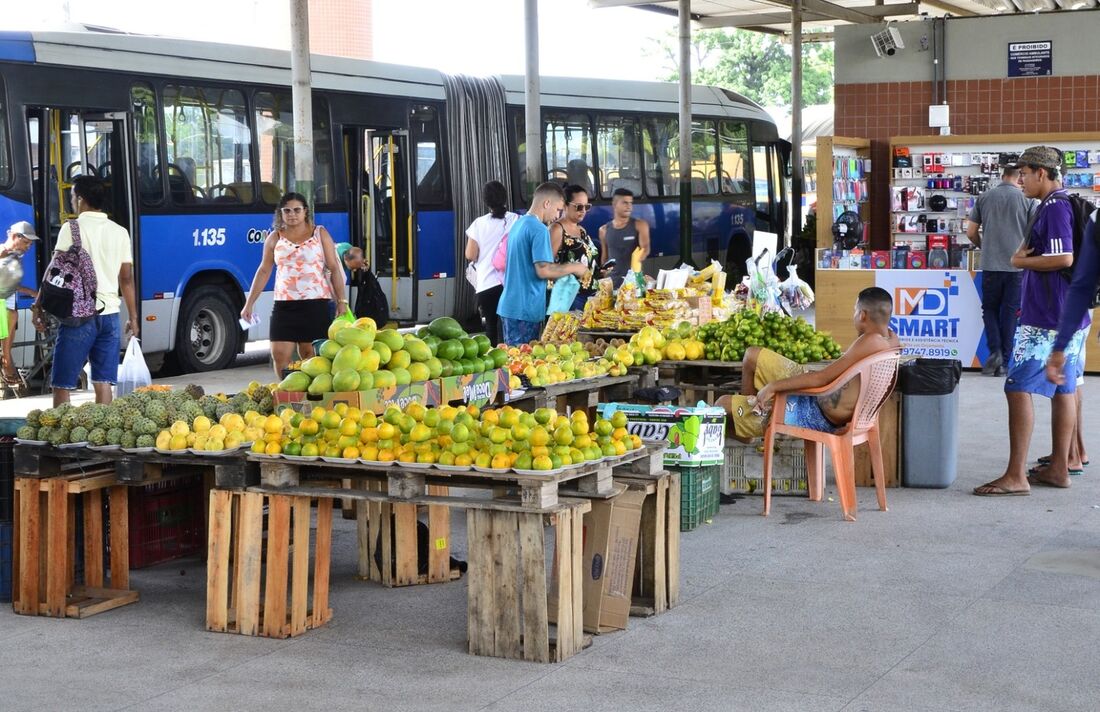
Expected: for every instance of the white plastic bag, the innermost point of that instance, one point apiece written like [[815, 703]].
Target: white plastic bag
[[133, 373], [796, 293]]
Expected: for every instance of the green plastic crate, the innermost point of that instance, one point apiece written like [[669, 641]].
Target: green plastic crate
[[698, 495]]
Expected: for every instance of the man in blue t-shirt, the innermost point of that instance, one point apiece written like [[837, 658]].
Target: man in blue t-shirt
[[1047, 251], [522, 306]]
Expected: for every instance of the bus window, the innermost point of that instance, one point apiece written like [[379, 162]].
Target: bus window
[[619, 155], [521, 155], [760, 179], [734, 147], [144, 106], [661, 142], [208, 145], [704, 164], [5, 151], [568, 139], [275, 136], [424, 129]]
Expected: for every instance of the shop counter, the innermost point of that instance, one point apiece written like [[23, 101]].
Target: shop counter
[[937, 313]]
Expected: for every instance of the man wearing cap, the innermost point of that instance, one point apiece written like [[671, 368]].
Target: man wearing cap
[[1047, 250], [1001, 212], [20, 237]]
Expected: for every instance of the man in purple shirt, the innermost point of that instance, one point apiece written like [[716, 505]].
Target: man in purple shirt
[[1047, 250]]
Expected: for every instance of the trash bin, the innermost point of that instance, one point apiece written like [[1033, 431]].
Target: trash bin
[[930, 421]]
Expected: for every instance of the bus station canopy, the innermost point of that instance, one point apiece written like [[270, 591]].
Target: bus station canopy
[[774, 16]]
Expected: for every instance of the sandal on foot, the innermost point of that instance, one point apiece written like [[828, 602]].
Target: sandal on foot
[[1034, 481], [1045, 460], [999, 491], [1073, 472]]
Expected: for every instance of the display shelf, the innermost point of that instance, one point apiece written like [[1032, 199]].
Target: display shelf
[[845, 164]]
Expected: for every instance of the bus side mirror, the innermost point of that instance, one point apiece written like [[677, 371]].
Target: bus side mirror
[[784, 148]]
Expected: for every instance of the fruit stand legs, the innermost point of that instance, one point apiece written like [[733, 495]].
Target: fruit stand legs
[[507, 608], [44, 557], [238, 569]]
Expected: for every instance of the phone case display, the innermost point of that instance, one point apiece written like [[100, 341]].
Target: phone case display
[[844, 179], [934, 185]]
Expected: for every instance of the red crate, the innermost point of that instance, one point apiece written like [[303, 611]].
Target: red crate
[[167, 521]]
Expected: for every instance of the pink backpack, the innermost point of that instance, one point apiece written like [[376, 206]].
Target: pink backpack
[[69, 284], [500, 257]]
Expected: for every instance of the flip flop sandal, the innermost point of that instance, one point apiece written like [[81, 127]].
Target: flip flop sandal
[[1072, 471], [1036, 482], [1045, 460], [998, 491]]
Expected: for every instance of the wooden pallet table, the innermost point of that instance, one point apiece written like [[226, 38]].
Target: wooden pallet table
[[229, 471], [44, 544], [657, 571], [583, 394]]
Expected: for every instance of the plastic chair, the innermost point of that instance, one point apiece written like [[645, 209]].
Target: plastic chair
[[877, 376]]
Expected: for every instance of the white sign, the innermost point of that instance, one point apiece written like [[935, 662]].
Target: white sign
[[937, 313]]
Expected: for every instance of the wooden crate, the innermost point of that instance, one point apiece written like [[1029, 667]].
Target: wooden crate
[[657, 571], [508, 602], [397, 546], [44, 545], [267, 593]]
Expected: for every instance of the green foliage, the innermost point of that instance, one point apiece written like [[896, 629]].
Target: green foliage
[[755, 65]]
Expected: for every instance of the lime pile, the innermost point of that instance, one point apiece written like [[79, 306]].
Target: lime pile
[[794, 338]]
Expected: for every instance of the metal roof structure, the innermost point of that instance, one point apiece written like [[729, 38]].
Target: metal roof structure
[[774, 16]]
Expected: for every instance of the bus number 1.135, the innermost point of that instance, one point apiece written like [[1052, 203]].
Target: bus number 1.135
[[209, 236]]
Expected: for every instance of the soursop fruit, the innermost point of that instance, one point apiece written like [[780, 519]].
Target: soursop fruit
[[112, 419], [33, 418], [114, 436], [59, 436], [209, 405], [222, 410], [99, 415], [97, 437], [266, 406], [128, 439], [79, 434], [27, 432], [146, 440], [158, 413]]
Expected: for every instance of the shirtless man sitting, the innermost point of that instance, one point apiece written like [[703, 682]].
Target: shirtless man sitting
[[766, 373]]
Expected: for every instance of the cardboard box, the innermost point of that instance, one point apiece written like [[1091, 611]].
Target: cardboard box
[[476, 388], [375, 399], [608, 557], [695, 436]]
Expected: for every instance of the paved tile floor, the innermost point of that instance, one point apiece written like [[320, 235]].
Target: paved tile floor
[[947, 602]]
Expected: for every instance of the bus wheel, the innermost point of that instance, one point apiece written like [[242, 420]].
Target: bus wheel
[[208, 336]]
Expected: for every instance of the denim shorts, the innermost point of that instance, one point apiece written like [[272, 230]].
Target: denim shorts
[[518, 332], [96, 341]]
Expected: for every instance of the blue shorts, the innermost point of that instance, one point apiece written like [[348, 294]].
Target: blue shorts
[[804, 412], [518, 332], [1027, 367], [96, 341]]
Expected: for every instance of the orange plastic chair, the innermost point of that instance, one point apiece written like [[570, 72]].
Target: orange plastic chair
[[877, 376]]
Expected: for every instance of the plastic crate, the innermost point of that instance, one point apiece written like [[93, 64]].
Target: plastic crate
[[743, 469], [166, 521], [7, 478], [5, 561], [698, 495]]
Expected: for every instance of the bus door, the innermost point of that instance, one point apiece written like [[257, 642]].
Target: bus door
[[66, 143], [383, 216]]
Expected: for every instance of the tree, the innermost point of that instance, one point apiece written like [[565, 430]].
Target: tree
[[753, 64]]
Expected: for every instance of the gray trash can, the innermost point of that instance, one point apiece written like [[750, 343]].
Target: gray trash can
[[930, 421]]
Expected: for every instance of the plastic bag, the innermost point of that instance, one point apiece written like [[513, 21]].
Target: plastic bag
[[795, 293], [348, 316], [762, 283], [133, 373], [562, 295]]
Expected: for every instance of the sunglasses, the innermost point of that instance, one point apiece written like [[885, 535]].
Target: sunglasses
[[583, 207], [293, 211]]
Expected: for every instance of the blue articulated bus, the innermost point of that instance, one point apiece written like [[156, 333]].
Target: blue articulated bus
[[195, 141]]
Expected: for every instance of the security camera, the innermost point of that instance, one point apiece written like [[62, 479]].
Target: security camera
[[887, 42]]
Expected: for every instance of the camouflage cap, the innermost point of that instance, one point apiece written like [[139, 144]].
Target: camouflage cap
[[1042, 156]]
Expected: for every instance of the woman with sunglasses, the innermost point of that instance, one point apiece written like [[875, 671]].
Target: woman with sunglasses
[[571, 243], [307, 277]]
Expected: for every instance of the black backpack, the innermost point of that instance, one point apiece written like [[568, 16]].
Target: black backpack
[[371, 300]]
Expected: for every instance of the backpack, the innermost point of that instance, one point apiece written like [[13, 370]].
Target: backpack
[[500, 257], [1082, 212], [371, 300], [69, 284]]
